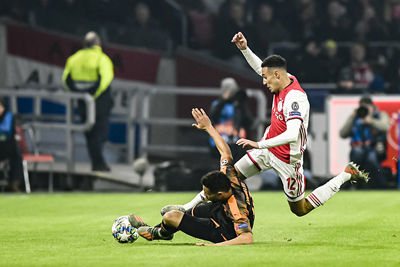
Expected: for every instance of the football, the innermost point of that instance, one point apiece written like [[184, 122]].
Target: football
[[123, 231]]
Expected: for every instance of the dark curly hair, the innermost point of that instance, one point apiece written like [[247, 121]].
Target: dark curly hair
[[274, 61], [216, 181]]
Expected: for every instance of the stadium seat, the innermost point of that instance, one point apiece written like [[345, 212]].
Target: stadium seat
[[32, 157]]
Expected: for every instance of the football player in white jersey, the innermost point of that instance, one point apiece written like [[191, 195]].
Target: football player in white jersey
[[284, 141]]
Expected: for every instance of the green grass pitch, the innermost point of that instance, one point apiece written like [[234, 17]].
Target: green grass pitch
[[354, 228]]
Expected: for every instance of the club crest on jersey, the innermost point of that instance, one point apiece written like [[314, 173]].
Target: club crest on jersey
[[295, 106], [280, 104]]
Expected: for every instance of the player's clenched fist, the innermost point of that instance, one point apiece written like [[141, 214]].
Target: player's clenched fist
[[240, 41]]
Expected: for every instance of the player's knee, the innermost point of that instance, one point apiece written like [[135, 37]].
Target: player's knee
[[298, 212], [172, 217]]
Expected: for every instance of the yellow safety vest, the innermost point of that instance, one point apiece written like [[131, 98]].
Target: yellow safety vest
[[89, 65]]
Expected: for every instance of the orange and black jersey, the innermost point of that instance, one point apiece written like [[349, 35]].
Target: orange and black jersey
[[239, 207]]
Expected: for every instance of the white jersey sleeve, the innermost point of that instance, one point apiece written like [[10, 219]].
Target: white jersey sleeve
[[287, 137], [296, 106], [253, 60]]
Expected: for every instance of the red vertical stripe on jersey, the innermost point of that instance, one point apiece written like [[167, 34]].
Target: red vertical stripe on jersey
[[255, 162]]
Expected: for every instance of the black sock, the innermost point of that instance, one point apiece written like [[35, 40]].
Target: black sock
[[166, 230]]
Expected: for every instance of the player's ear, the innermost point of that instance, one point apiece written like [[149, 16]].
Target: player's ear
[[277, 74]]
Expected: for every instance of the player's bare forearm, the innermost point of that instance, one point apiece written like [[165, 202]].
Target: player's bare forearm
[[204, 123], [222, 146], [242, 239]]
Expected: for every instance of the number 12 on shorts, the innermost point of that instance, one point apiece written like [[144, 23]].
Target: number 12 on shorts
[[290, 183]]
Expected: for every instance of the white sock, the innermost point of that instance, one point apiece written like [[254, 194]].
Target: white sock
[[320, 195], [196, 200]]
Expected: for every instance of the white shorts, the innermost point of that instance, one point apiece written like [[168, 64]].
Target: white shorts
[[259, 160]]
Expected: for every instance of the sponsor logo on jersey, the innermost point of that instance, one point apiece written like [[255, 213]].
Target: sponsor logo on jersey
[[277, 115], [294, 113], [295, 106], [240, 226]]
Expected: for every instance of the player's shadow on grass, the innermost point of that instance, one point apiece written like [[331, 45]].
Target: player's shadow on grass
[[176, 244], [165, 244]]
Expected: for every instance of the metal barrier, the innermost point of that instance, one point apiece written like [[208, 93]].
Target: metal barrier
[[69, 126], [144, 120], [134, 111]]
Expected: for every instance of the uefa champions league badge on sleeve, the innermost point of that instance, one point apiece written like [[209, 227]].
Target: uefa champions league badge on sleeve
[[224, 162], [294, 113], [295, 108]]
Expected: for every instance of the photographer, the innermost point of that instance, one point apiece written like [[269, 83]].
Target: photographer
[[231, 116], [367, 127]]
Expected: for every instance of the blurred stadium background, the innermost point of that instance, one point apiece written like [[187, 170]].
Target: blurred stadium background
[[170, 56]]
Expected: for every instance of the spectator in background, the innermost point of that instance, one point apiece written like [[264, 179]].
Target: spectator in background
[[230, 116], [212, 5], [336, 24], [306, 20], [392, 18], [282, 12], [9, 149], [141, 30], [367, 128], [331, 61], [266, 29], [201, 22], [358, 74], [91, 71], [394, 73], [227, 26], [370, 27], [308, 64]]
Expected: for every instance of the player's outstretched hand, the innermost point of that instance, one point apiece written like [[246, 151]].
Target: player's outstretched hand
[[203, 121], [240, 41], [246, 143]]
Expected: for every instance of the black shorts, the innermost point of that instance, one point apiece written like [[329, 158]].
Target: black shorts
[[207, 221]]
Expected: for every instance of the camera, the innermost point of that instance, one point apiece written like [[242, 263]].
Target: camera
[[362, 112]]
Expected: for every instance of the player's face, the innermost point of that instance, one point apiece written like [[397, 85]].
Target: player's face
[[271, 79], [213, 197]]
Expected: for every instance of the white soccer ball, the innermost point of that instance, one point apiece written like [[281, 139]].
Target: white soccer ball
[[123, 231]]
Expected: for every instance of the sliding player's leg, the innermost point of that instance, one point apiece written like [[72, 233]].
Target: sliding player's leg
[[252, 163], [199, 222]]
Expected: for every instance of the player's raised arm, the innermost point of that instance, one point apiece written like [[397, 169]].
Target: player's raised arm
[[204, 123], [253, 60]]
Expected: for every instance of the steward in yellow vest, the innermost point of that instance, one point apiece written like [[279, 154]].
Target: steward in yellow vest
[[91, 71]]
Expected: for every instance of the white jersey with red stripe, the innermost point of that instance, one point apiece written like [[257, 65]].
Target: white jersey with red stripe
[[290, 103]]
